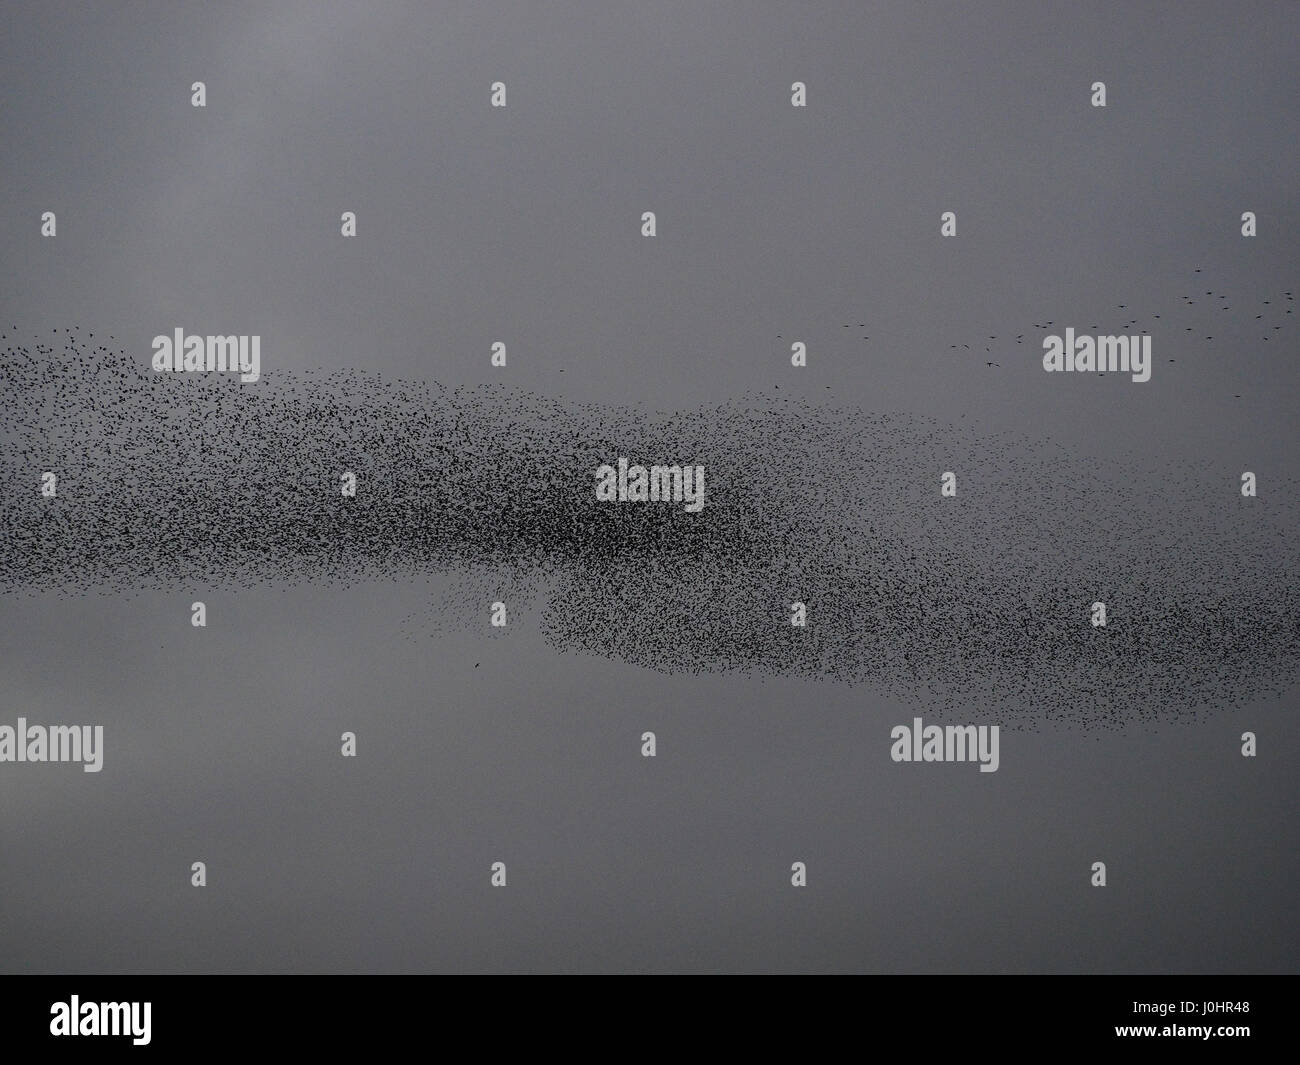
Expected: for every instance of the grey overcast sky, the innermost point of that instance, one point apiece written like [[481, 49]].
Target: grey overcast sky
[[523, 225]]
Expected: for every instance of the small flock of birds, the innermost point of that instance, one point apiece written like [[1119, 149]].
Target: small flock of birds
[[1272, 319], [1274, 324]]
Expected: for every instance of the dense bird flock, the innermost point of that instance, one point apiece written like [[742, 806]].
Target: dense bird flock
[[981, 601]]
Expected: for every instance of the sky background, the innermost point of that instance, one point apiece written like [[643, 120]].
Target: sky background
[[523, 225]]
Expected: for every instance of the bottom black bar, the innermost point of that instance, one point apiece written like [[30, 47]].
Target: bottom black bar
[[341, 1014]]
